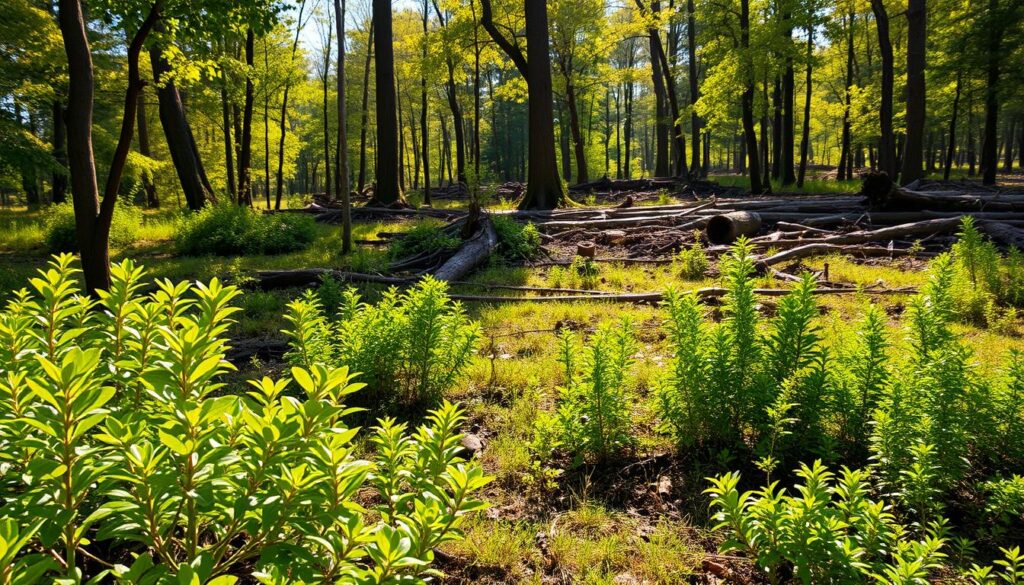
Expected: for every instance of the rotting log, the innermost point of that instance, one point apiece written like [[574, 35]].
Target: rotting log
[[1004, 233], [809, 250], [471, 254], [726, 228]]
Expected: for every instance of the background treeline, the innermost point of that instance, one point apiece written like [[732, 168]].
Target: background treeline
[[776, 89]]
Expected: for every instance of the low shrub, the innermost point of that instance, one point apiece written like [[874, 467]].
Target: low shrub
[[59, 226], [592, 419], [516, 241], [827, 530], [425, 236], [690, 263], [409, 348], [123, 459], [227, 230]]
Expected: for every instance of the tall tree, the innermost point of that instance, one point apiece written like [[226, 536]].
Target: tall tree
[[424, 125], [387, 189], [913, 148], [93, 217], [544, 189], [283, 128], [747, 101], [691, 52], [245, 152], [886, 139], [343, 184]]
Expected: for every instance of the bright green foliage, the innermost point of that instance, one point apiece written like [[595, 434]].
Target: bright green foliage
[[516, 241], [988, 286], [116, 435], [227, 230], [685, 405], [60, 227], [424, 237], [1010, 570], [692, 262], [1005, 503], [583, 273], [592, 419], [827, 529], [409, 348]]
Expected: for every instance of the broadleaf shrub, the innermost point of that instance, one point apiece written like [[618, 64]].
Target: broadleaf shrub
[[61, 235], [425, 236], [228, 230], [409, 347], [123, 459], [516, 241]]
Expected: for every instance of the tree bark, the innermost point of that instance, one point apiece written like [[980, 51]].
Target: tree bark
[[805, 138], [279, 193], [424, 125], [788, 119], [245, 158], [93, 218], [229, 147], [342, 182], [691, 49], [916, 103], [846, 152], [544, 189], [886, 140], [989, 145], [180, 142], [387, 189], [747, 102], [365, 119]]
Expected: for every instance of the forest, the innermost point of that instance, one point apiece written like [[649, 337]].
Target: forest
[[512, 291]]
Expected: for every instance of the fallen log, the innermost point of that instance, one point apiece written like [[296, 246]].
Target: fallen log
[[471, 254], [1004, 233], [725, 229], [656, 297], [808, 250]]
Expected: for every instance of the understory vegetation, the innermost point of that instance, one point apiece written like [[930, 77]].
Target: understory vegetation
[[126, 459], [228, 230]]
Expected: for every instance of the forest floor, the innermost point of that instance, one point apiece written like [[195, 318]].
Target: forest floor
[[642, 518]]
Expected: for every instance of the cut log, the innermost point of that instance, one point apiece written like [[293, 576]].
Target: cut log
[[471, 254], [586, 249], [725, 229]]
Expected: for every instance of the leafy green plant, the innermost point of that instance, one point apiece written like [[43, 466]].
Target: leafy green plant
[[228, 230], [425, 236], [827, 530], [592, 418], [61, 235], [691, 262], [409, 348], [123, 459], [516, 241]]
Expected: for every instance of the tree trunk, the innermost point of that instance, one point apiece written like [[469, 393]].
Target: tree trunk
[[424, 125], [279, 177], [1008, 145], [805, 138], [152, 200], [93, 218], [180, 142], [662, 65], [846, 153], [661, 128], [387, 190], [245, 158], [544, 189], [325, 85], [747, 102], [691, 49], [229, 147], [342, 181], [886, 141], [916, 103], [951, 147], [365, 119]]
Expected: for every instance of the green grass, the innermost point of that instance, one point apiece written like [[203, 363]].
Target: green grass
[[811, 186]]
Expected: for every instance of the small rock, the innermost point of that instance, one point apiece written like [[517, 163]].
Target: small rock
[[664, 485], [625, 579], [473, 443]]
